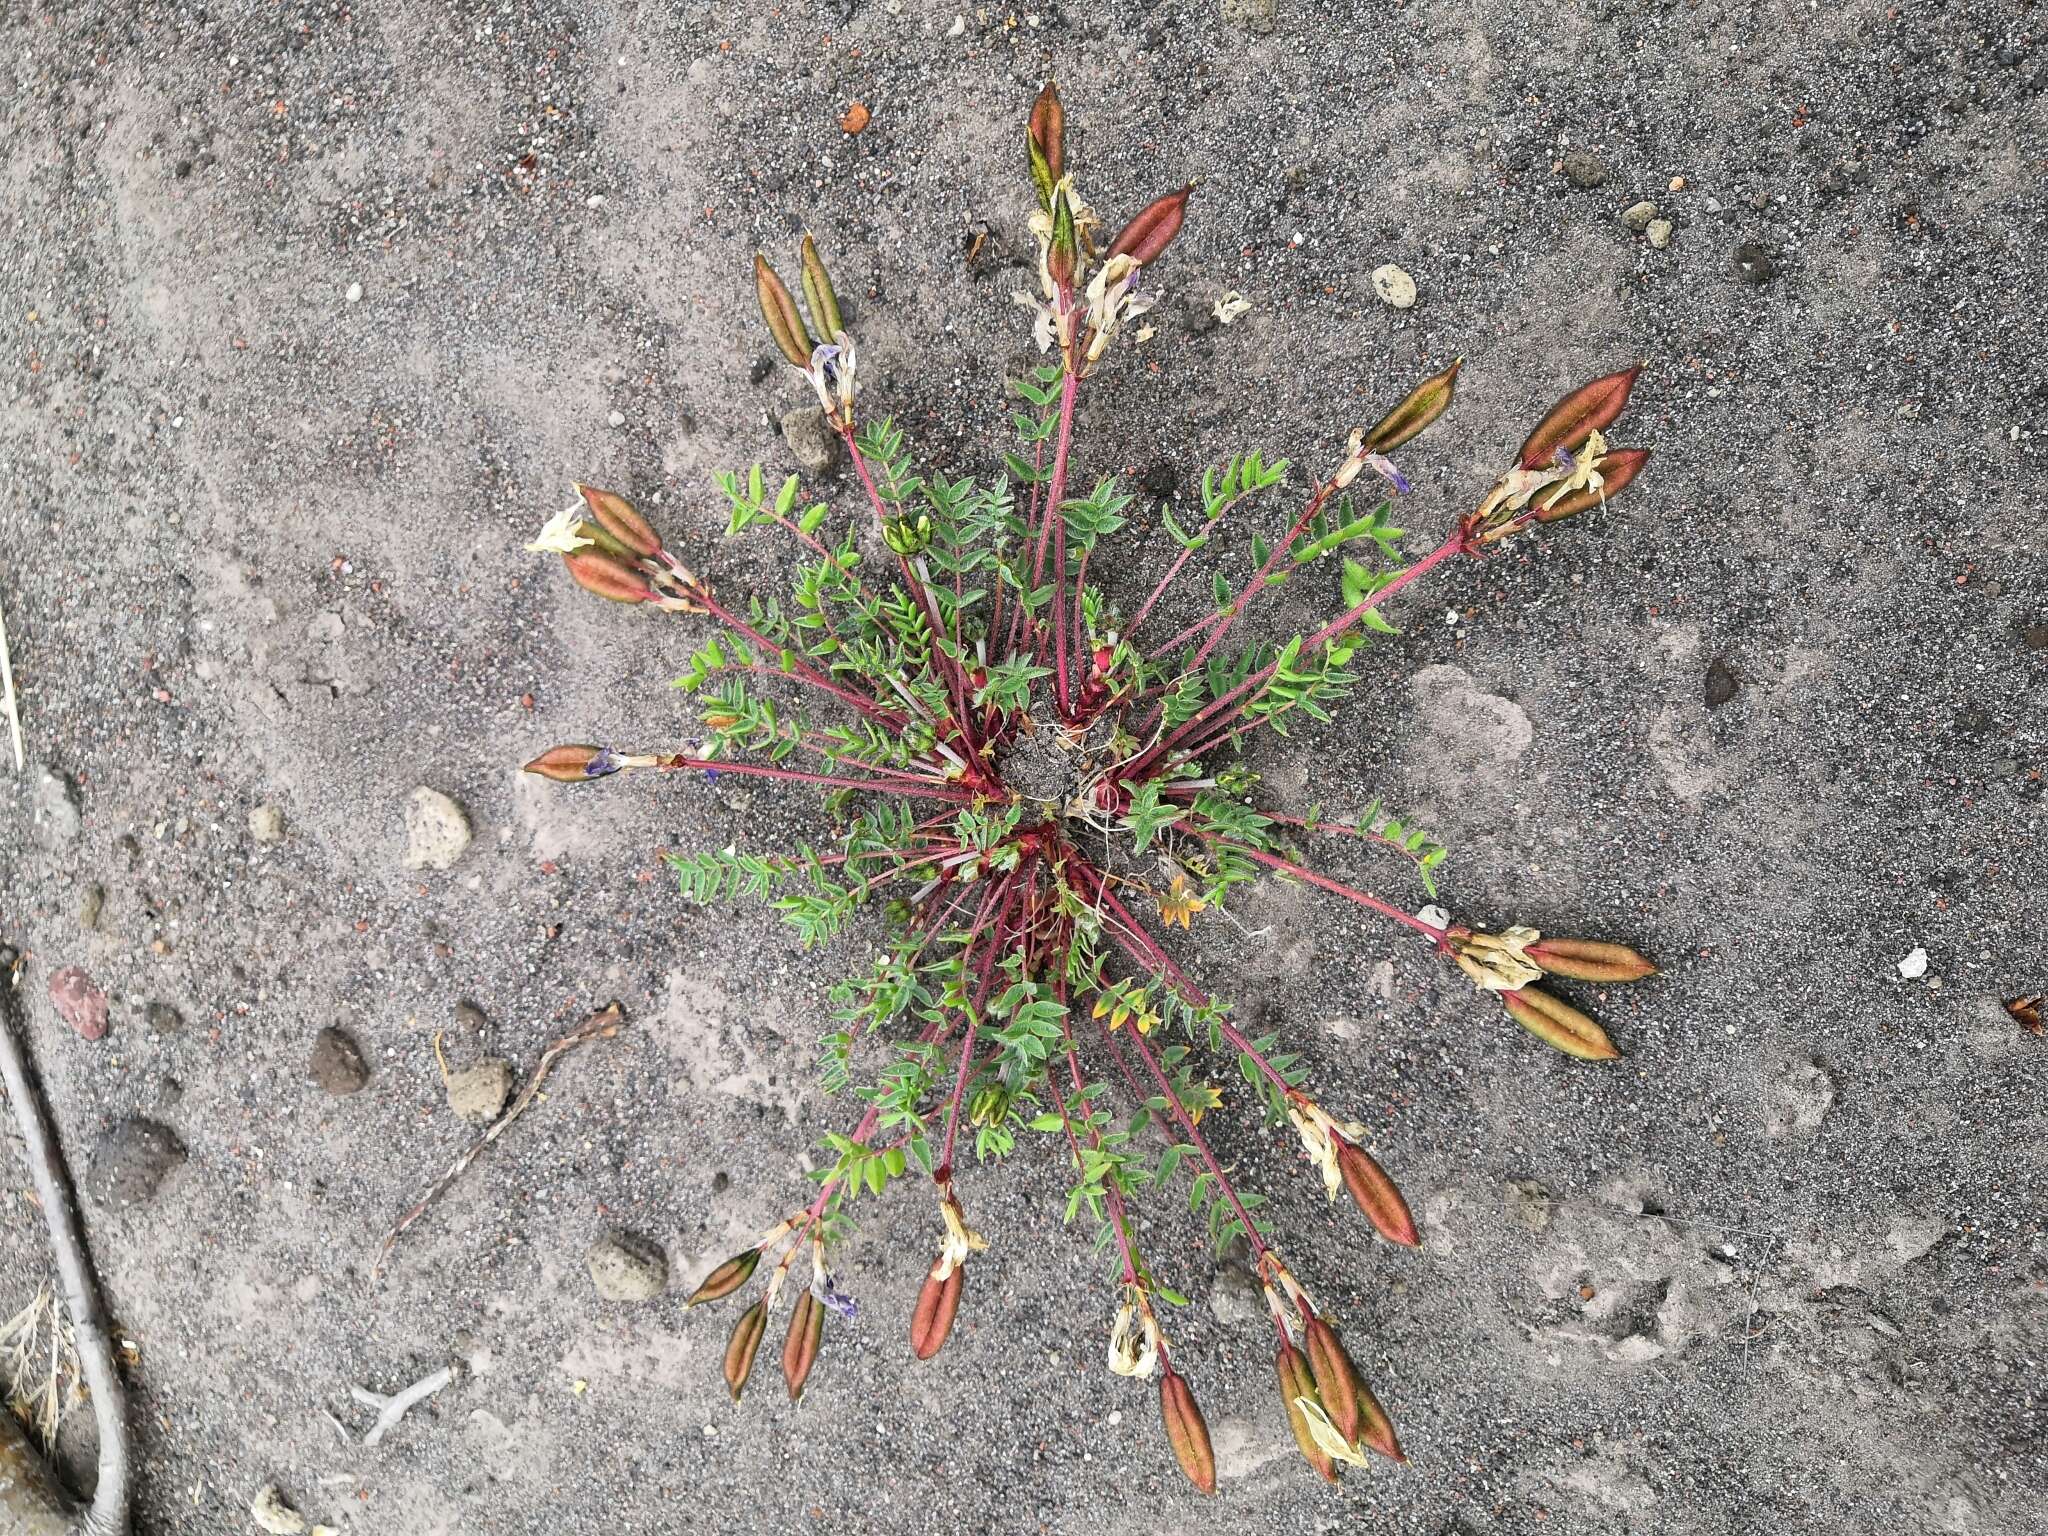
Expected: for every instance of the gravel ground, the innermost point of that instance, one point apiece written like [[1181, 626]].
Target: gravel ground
[[311, 313]]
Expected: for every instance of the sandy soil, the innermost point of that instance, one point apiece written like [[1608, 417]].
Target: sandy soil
[[310, 314]]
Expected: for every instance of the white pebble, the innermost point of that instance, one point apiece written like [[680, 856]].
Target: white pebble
[[617, 419], [959, 25], [595, 200], [355, 292], [1395, 287], [1914, 966]]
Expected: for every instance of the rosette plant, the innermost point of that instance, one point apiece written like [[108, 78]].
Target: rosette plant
[[1028, 787]]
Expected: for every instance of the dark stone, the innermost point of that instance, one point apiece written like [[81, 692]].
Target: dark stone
[[763, 366], [1754, 265], [130, 1162], [1583, 168], [163, 1018], [1721, 683], [2034, 634], [336, 1065]]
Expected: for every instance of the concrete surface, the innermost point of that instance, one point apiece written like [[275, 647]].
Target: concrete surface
[[310, 314]]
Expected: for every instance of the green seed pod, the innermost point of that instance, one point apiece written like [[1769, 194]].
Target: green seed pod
[[1559, 1024], [616, 516], [819, 298], [1046, 138], [780, 311], [1427, 401]]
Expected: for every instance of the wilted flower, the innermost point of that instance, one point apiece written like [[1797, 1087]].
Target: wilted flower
[[959, 1241], [831, 376], [1319, 1133], [1497, 962], [1134, 1339], [1180, 902], [562, 534]]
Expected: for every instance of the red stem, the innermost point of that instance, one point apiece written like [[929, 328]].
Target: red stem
[[759, 770]]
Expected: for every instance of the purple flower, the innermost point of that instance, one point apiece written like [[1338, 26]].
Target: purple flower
[[606, 761], [837, 1300], [1384, 468]]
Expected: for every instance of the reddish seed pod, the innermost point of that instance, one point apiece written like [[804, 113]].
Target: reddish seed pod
[[1186, 1431], [1589, 960], [932, 1320], [608, 576], [1588, 409], [1047, 139], [800, 1345], [740, 1350], [1336, 1380], [1296, 1382], [1376, 1430], [565, 764], [1616, 470], [617, 517], [780, 311], [1146, 237], [1376, 1196], [728, 1277]]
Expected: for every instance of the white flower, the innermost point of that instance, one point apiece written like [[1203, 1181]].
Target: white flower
[[831, 376], [1134, 1340], [959, 1241], [560, 536], [1498, 962], [1044, 326], [1319, 1132], [1113, 298]]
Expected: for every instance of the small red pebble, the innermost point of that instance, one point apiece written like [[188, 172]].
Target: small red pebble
[[81, 1004]]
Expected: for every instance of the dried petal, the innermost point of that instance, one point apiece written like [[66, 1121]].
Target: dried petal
[[1146, 237], [779, 310], [1337, 1381], [1326, 1435], [617, 517], [1297, 1385], [819, 298], [1376, 1196], [1590, 960], [1186, 1432], [1047, 138], [1616, 469], [1560, 1024], [608, 576], [746, 1340], [1427, 401], [800, 1345], [933, 1318], [727, 1278], [1577, 416]]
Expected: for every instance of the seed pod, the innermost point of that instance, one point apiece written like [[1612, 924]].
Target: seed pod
[[818, 295], [1146, 237], [1584, 411], [1376, 1196], [1559, 1023], [1063, 253], [565, 764], [1295, 1383], [1186, 1432], [1616, 470], [608, 576], [933, 1318], [1427, 401], [739, 1352], [800, 1345], [1376, 1430], [727, 1278], [779, 310], [1046, 136], [1589, 960], [1336, 1379], [616, 516]]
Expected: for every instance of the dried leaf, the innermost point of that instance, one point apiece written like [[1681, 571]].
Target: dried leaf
[[2027, 1012]]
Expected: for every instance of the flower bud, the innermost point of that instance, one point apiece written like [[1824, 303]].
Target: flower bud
[[1186, 1432], [1296, 1383], [728, 1277], [1427, 401], [740, 1351], [1146, 237], [800, 1346], [779, 310], [1336, 1380], [1375, 1195], [1046, 137], [1559, 1024], [1615, 469], [818, 295], [616, 516], [932, 1321], [1577, 416], [1589, 960], [608, 576], [1062, 254]]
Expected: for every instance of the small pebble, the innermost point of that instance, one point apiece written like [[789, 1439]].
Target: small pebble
[[266, 824], [336, 1064], [1583, 168], [1677, 184], [90, 905], [627, 1267], [1637, 216], [163, 1019], [471, 1020], [959, 25], [131, 1161], [54, 810], [1395, 287], [79, 1003], [811, 439], [617, 418], [436, 830], [1914, 966], [355, 292], [479, 1092], [1658, 233]]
